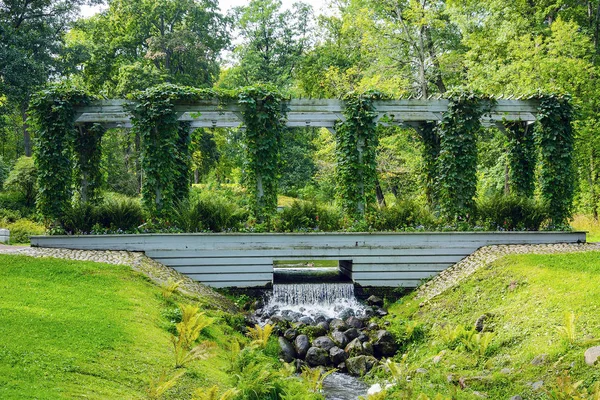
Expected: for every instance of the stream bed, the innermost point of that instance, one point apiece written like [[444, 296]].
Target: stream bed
[[343, 387]]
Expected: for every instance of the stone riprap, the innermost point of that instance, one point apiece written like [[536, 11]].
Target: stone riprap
[[158, 273], [452, 276]]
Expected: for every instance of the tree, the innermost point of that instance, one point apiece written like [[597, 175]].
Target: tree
[[140, 43], [272, 43], [22, 179], [31, 37]]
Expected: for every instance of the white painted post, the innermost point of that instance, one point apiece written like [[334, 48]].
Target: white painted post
[[4, 235]]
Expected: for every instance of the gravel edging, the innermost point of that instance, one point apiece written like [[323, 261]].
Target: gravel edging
[[155, 271], [484, 256]]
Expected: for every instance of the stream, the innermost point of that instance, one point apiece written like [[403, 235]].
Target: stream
[[343, 387]]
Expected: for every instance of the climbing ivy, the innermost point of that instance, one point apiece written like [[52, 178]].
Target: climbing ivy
[[521, 158], [52, 115], [430, 151], [554, 135], [457, 164], [164, 145], [264, 117], [356, 146], [183, 165], [88, 152]]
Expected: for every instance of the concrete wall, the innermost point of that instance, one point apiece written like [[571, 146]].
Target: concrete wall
[[246, 260], [4, 235]]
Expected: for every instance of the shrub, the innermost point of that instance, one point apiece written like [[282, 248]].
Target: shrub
[[20, 230], [9, 216], [306, 216], [120, 212], [511, 213], [15, 201], [212, 213], [402, 214], [80, 219], [22, 179], [3, 172]]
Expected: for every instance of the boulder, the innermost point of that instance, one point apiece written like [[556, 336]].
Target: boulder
[[539, 360], [373, 326], [360, 365], [320, 318], [354, 322], [363, 337], [380, 312], [338, 325], [323, 342], [307, 320], [339, 338], [290, 334], [384, 344], [375, 301], [323, 325], [316, 357], [302, 344], [286, 350], [352, 333], [299, 365], [480, 323], [592, 355], [358, 348], [341, 367], [337, 355]]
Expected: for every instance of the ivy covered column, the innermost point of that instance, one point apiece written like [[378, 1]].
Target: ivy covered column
[[183, 165], [52, 114], [264, 117], [521, 158], [554, 136], [356, 147], [457, 164], [156, 121]]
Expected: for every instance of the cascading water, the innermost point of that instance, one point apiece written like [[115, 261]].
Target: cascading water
[[295, 300]]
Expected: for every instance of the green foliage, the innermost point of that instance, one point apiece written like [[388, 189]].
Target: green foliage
[[511, 213], [188, 330], [401, 215], [356, 146], [209, 212], [14, 201], [555, 138], [264, 117], [307, 216], [521, 158], [183, 162], [22, 179], [314, 377], [115, 214], [22, 229], [4, 169], [212, 393], [568, 331], [52, 112], [260, 335], [88, 152], [430, 152], [164, 382], [457, 162]]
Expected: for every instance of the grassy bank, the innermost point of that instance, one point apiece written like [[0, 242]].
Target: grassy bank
[[74, 329], [541, 314]]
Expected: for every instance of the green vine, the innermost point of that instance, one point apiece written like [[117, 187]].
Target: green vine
[[356, 146], [183, 166], [264, 117], [88, 152], [52, 115], [554, 135], [457, 166], [521, 158], [430, 153]]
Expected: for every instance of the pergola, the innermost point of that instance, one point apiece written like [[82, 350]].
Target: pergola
[[309, 112]]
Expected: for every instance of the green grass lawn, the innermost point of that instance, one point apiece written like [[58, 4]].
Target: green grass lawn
[[587, 223], [526, 298], [73, 329]]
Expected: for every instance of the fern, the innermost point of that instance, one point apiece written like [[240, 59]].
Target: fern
[[315, 377], [170, 287], [162, 384], [260, 336], [398, 370], [213, 394], [188, 330], [569, 331]]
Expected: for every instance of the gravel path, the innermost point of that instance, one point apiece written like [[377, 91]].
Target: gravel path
[[157, 272], [486, 255]]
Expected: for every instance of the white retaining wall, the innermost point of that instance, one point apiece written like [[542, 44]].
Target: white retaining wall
[[246, 260], [4, 235]]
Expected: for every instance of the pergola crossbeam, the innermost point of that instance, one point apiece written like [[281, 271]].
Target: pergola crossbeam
[[307, 112]]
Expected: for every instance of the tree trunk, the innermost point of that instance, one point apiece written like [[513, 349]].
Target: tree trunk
[[26, 133], [380, 197]]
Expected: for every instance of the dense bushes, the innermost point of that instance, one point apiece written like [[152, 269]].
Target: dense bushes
[[403, 214], [21, 229], [511, 213], [209, 212], [306, 216]]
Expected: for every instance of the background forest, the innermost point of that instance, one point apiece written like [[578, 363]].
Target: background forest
[[400, 48]]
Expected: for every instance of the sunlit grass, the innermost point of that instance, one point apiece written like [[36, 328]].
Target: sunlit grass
[[582, 222]]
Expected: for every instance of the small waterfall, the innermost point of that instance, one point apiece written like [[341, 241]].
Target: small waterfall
[[324, 294], [293, 299]]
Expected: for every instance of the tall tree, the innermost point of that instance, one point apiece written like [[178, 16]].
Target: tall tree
[[31, 38]]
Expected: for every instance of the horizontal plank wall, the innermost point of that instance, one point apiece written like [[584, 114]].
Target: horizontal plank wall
[[246, 260]]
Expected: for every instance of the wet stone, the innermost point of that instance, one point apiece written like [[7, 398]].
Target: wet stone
[[338, 325], [354, 322], [352, 333], [323, 342], [286, 350], [385, 345], [302, 344], [290, 334], [339, 339], [375, 301], [360, 365], [316, 357], [323, 325], [337, 355]]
